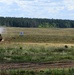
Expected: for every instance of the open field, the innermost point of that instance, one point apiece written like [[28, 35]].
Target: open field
[[36, 59], [39, 35], [36, 55], [37, 49]]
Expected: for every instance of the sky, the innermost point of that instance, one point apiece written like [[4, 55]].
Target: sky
[[56, 9]]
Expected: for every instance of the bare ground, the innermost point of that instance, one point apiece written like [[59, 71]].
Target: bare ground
[[35, 66]]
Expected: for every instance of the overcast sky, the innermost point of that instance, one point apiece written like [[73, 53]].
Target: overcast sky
[[56, 9]]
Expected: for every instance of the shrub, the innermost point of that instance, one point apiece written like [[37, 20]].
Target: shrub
[[66, 46], [21, 48]]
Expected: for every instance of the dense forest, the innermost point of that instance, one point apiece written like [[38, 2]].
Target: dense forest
[[35, 22]]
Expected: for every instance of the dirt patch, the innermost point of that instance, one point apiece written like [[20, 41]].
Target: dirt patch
[[35, 66]]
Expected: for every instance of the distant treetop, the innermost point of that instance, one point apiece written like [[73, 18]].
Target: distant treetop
[[36, 22]]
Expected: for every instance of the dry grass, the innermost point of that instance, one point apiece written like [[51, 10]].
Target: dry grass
[[41, 31], [39, 35]]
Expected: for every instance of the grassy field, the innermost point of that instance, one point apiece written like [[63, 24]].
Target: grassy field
[[36, 53], [39, 35], [69, 71], [38, 45]]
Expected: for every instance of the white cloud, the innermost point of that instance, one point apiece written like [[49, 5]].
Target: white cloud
[[47, 6], [69, 4], [31, 5], [36, 8], [8, 2]]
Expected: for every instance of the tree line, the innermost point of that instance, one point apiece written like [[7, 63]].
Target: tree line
[[35, 22]]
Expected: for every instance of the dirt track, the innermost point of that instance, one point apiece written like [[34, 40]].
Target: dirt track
[[35, 66]]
